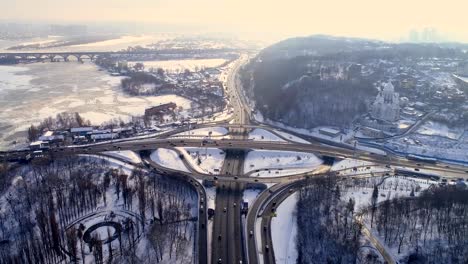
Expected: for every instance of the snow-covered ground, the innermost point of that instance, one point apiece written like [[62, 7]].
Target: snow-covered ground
[[284, 230], [211, 197], [433, 128], [432, 146], [264, 135], [115, 44], [205, 132], [292, 137], [204, 160], [113, 163], [210, 203], [216, 117], [127, 155], [121, 42], [265, 159], [346, 167], [349, 163], [250, 195], [389, 187], [168, 158]]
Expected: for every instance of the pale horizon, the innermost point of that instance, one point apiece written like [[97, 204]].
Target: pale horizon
[[389, 21]]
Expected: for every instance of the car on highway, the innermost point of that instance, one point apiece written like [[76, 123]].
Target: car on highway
[[251, 233], [211, 212], [225, 209]]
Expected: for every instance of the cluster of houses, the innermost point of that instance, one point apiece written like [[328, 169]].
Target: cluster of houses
[[78, 135]]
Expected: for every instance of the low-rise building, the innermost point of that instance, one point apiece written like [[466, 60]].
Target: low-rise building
[[81, 130], [37, 145], [329, 132], [104, 136], [50, 136]]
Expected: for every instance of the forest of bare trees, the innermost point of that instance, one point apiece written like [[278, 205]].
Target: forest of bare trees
[[49, 207], [433, 226], [327, 230], [418, 221]]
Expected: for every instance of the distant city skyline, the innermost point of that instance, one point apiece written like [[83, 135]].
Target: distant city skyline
[[386, 20]]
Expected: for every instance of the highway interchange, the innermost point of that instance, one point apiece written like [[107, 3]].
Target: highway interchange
[[232, 240]]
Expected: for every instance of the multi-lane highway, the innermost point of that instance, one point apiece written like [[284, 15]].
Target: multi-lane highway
[[227, 243], [449, 170], [255, 245]]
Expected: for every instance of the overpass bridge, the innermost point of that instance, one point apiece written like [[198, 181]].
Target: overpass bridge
[[92, 55]]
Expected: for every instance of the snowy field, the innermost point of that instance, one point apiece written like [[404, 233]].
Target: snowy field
[[434, 146], [250, 195], [264, 159], [127, 155], [346, 167], [431, 128], [181, 65], [113, 163], [211, 197], [51, 88], [116, 44], [389, 188], [204, 160], [168, 158], [292, 137], [259, 134], [205, 132], [284, 230]]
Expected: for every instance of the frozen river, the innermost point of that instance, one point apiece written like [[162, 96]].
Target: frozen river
[[29, 93]]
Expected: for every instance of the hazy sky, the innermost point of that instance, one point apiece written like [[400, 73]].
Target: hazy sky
[[365, 18]]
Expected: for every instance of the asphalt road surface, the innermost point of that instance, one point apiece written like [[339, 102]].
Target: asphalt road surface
[[227, 246]]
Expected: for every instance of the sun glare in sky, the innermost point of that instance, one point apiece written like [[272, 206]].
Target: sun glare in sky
[[364, 18]]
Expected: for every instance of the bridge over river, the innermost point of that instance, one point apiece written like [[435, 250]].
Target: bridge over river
[[92, 55]]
